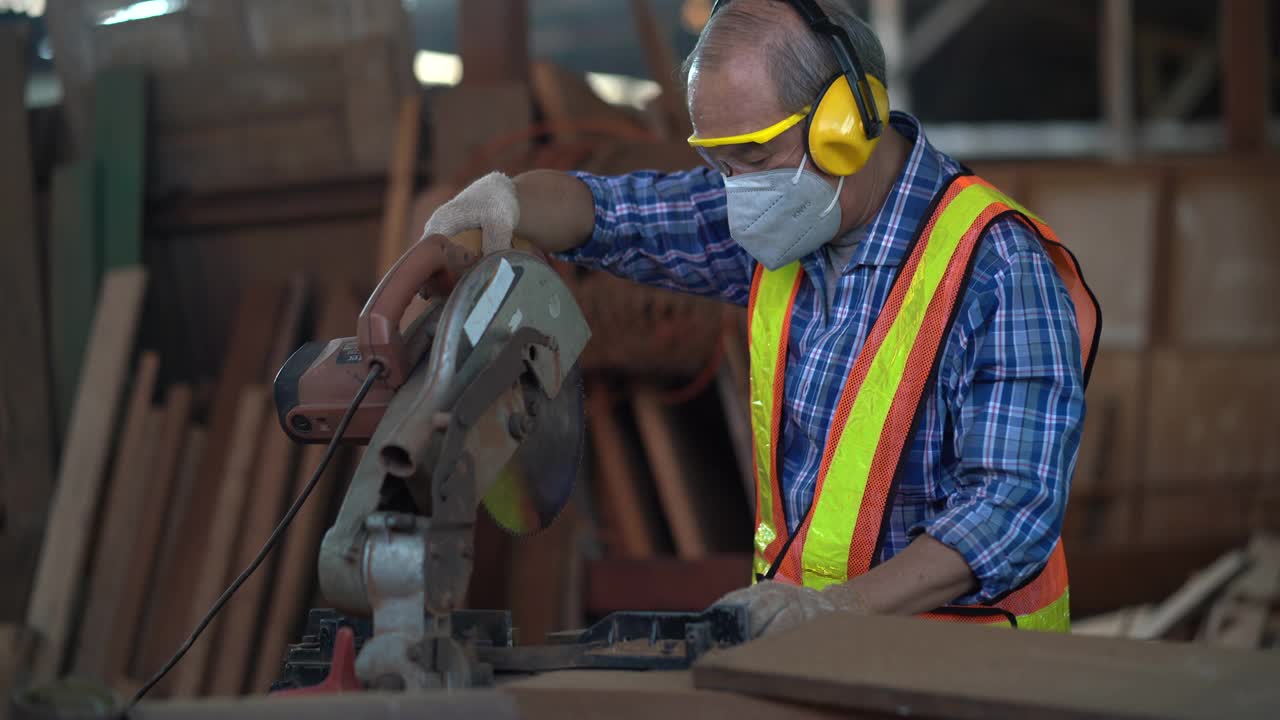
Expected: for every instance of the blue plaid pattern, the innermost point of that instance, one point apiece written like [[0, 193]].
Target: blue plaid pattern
[[990, 465]]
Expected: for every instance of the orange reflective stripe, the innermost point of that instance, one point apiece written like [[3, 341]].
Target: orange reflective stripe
[[901, 421]]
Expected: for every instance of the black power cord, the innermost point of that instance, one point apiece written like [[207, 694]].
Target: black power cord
[[271, 542]]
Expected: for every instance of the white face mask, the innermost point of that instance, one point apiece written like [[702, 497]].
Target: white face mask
[[779, 216]]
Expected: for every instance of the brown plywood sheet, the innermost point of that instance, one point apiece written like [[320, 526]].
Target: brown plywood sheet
[[1109, 221], [115, 544], [622, 695], [84, 461], [928, 668]]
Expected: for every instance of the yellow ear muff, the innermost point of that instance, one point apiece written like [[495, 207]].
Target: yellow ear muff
[[837, 142]]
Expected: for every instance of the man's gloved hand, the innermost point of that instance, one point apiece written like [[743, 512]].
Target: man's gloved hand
[[774, 606], [489, 203]]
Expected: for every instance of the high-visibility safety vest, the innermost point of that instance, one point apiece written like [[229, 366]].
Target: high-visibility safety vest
[[881, 403]]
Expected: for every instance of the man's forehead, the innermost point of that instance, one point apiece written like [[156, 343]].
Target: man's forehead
[[733, 98]]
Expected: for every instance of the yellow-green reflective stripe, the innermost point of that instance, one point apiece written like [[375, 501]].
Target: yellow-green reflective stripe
[[825, 558], [1054, 617], [773, 297]]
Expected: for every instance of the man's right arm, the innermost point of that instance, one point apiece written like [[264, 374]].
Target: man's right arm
[[668, 230]]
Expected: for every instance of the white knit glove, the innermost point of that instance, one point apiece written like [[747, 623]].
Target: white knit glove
[[489, 203], [773, 607]]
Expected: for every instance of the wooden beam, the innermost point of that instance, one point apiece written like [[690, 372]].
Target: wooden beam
[[244, 364], [673, 476], [1245, 66], [1190, 597], [1118, 88], [153, 602], [218, 559], [660, 57], [171, 442], [130, 483], [287, 604], [84, 460], [272, 481], [618, 478], [493, 40], [942, 22], [403, 170], [26, 450]]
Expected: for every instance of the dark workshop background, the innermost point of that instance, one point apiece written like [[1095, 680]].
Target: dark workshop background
[[189, 189]]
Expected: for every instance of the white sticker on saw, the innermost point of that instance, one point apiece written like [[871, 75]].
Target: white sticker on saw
[[490, 300], [515, 320]]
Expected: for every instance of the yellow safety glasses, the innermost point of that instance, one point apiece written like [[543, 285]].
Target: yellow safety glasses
[[759, 137]]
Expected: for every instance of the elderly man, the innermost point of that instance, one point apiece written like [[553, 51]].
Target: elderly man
[[919, 341]]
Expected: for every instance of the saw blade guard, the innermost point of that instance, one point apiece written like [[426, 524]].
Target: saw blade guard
[[525, 439]]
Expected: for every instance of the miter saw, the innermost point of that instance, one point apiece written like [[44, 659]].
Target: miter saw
[[478, 400]]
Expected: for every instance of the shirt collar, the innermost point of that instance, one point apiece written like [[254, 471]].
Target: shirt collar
[[891, 230]]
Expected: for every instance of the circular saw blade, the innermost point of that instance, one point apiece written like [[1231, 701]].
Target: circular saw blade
[[536, 483]]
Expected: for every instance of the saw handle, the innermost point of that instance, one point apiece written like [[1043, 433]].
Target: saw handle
[[431, 267]]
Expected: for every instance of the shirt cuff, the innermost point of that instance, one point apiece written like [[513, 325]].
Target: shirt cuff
[[970, 530]]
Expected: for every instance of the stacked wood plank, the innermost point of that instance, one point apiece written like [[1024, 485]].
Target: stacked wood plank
[[173, 495], [1234, 602]]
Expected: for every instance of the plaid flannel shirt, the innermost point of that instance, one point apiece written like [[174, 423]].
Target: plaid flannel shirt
[[990, 465]]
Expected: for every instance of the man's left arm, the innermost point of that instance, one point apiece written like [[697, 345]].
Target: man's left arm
[[1017, 408]]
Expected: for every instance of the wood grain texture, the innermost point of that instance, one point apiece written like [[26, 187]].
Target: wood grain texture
[[618, 479], [623, 695], [184, 568], [403, 164], [84, 461], [26, 447], [149, 518], [184, 482], [264, 506], [295, 576], [218, 558], [933, 669], [116, 540]]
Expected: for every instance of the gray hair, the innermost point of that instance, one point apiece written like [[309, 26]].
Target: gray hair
[[799, 67]]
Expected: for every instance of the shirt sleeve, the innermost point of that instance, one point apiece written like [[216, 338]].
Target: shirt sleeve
[[1017, 407], [666, 229]]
